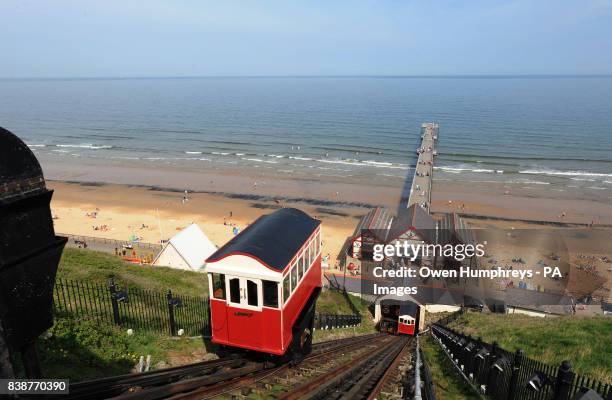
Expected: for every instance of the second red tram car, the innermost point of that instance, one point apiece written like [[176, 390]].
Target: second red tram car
[[406, 325], [264, 284]]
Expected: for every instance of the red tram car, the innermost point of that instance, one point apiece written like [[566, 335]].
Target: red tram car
[[264, 284], [406, 325]]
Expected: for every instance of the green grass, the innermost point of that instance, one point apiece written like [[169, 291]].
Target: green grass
[[84, 349], [96, 267], [333, 302], [366, 326], [448, 384], [81, 349], [585, 341]]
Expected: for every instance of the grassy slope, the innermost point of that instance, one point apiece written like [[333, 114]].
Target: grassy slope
[[332, 302], [96, 267], [448, 384], [83, 349], [586, 342]]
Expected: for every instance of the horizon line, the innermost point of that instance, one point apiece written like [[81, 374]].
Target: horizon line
[[413, 76]]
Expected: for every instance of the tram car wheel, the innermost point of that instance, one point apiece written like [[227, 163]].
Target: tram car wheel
[[301, 344]]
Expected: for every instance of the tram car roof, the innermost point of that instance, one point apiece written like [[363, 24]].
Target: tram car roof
[[272, 240]]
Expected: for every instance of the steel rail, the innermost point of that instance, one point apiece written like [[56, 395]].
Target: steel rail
[[244, 377], [181, 378], [326, 384]]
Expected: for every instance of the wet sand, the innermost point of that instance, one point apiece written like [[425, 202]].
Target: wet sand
[[509, 202], [518, 204]]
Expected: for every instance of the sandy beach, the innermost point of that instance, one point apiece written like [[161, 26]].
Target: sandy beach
[[153, 213], [508, 201], [122, 211]]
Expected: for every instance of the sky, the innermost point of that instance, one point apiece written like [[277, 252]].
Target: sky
[[154, 38]]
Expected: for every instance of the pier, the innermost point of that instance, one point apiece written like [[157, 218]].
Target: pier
[[420, 191]]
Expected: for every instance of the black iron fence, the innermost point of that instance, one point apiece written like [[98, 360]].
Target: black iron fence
[[110, 243], [132, 308], [502, 375], [428, 392], [331, 321], [150, 310]]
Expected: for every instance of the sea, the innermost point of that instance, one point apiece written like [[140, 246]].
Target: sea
[[527, 130]]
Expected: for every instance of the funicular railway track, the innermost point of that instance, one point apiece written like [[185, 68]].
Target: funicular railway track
[[367, 373], [202, 380]]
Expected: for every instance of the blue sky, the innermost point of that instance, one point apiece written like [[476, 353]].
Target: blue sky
[[62, 38]]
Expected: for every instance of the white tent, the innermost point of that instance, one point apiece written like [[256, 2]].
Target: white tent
[[187, 250]]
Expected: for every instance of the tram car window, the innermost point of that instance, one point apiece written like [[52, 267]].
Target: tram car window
[[270, 291], [405, 325], [264, 284], [300, 269], [218, 286]]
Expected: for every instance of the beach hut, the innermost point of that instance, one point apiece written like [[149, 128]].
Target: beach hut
[[187, 250]]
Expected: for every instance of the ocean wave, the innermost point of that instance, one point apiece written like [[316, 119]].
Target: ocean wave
[[125, 158], [456, 170], [193, 152], [597, 188], [372, 162], [259, 160], [536, 183], [469, 156], [36, 145], [368, 163], [562, 173], [85, 146]]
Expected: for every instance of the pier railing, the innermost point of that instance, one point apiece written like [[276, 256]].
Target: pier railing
[[502, 375]]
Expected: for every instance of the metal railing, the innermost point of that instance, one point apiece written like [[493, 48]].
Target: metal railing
[[427, 391], [111, 242], [332, 321], [163, 312], [502, 375]]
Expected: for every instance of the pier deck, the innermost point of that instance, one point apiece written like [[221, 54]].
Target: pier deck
[[420, 192]]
